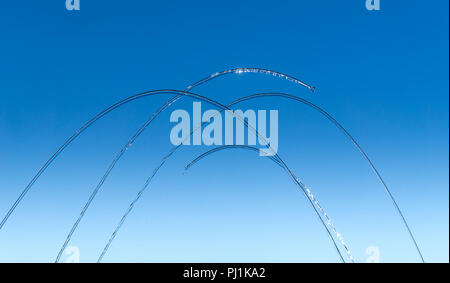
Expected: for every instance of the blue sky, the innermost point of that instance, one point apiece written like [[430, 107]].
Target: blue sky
[[382, 74]]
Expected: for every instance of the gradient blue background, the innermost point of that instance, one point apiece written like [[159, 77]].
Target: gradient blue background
[[382, 74]]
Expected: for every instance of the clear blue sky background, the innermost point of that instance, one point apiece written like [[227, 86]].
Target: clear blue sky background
[[382, 74]]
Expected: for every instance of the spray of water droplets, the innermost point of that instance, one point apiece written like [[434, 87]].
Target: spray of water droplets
[[328, 220]]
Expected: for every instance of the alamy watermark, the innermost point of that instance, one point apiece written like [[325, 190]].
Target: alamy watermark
[[370, 5], [374, 254], [373, 5], [73, 254], [213, 133], [73, 5]]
